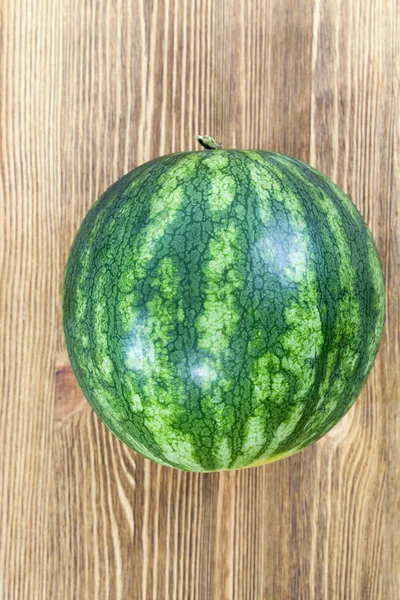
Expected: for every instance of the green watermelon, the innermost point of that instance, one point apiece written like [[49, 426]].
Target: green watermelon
[[222, 308]]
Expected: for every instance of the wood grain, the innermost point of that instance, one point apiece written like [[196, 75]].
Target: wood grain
[[89, 90]]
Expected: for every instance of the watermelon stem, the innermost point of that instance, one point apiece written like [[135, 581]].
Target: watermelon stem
[[208, 142]]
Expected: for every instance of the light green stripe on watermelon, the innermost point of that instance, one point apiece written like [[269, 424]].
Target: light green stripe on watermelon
[[375, 281], [302, 341], [161, 403], [219, 316], [378, 304], [347, 322], [151, 329], [325, 256]]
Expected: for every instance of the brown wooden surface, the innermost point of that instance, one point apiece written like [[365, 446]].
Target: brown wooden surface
[[89, 90]]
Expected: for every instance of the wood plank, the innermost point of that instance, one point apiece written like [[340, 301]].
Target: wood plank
[[29, 215], [89, 90]]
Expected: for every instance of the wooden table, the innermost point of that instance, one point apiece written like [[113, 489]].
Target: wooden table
[[89, 90]]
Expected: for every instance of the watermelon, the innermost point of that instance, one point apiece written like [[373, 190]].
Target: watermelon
[[222, 308]]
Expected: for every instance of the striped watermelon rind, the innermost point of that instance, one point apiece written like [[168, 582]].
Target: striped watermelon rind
[[222, 309]]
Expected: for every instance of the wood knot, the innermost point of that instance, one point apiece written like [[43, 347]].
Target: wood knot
[[70, 400]]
